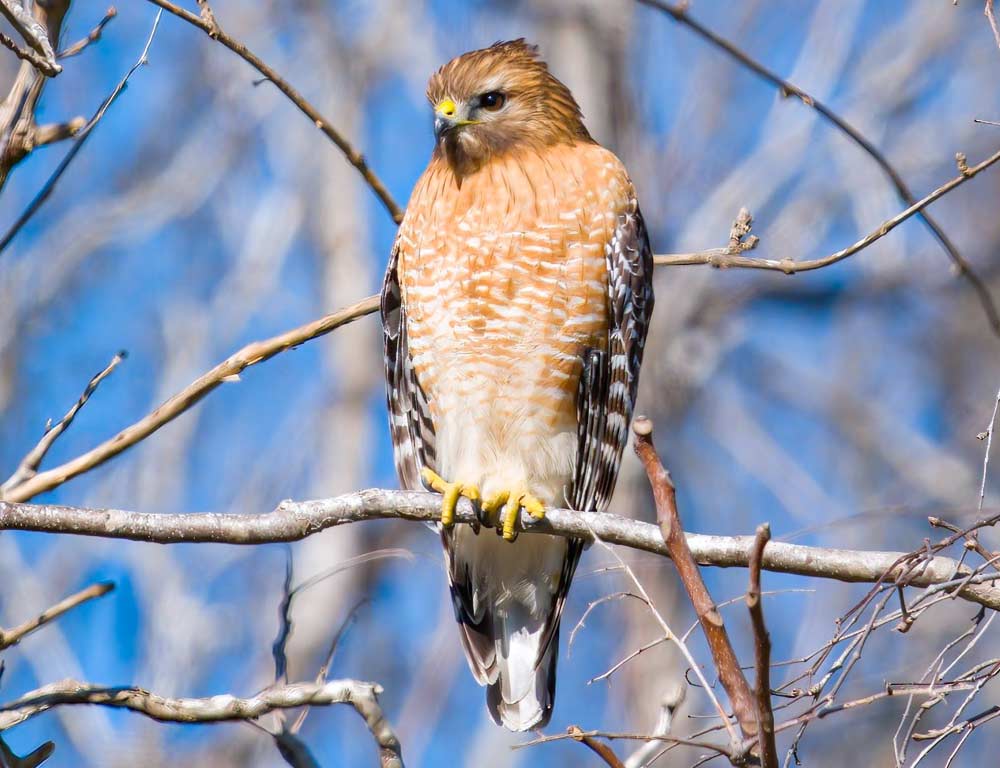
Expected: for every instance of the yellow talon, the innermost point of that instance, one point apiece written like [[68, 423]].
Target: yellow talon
[[451, 492], [514, 503], [494, 504]]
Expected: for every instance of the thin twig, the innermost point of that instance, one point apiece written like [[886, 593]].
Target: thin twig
[[39, 62], [791, 266], [603, 751], [81, 137], [679, 12], [92, 37], [207, 23], [28, 467], [762, 654], [226, 371], [13, 636]]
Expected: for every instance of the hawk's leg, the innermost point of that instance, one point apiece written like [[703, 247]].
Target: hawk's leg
[[512, 502], [451, 492]]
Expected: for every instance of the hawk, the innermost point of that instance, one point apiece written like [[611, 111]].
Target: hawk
[[515, 309]]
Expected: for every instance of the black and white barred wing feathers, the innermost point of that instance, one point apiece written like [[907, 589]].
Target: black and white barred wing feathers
[[409, 417], [610, 378]]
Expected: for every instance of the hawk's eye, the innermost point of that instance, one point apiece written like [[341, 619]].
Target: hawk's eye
[[492, 101]]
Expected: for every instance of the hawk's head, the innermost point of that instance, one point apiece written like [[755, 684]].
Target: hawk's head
[[497, 99]]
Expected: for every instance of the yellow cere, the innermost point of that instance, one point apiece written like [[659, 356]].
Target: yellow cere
[[445, 108]]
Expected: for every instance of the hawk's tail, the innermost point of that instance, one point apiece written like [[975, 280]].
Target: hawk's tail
[[525, 688], [512, 640]]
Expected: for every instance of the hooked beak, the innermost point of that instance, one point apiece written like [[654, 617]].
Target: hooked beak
[[448, 116]]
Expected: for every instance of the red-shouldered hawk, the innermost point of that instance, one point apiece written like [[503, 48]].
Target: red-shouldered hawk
[[515, 309]]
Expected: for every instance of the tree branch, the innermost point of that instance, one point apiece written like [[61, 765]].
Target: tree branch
[[726, 664], [762, 654], [295, 520], [602, 750], [360, 695], [679, 13], [35, 34], [206, 23], [732, 256], [17, 110], [226, 371], [28, 467], [80, 138], [13, 636]]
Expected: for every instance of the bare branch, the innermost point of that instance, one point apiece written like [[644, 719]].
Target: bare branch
[[727, 665], [226, 371], [360, 695], [81, 137], [18, 131], [36, 60], [35, 758], [679, 13], [991, 16], [762, 654], [729, 258], [14, 636], [28, 467], [35, 35], [292, 521], [603, 751], [92, 37], [207, 23]]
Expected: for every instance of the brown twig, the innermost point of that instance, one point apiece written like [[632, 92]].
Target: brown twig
[[226, 371], [293, 521], [28, 467], [762, 653], [728, 258], [207, 23], [718, 750], [600, 749], [39, 62], [92, 37], [13, 636], [728, 666], [34, 758], [679, 12]]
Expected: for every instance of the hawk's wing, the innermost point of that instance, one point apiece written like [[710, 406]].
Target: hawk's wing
[[410, 421], [607, 389]]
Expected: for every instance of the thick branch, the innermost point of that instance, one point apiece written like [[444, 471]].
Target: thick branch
[[728, 666], [206, 23], [292, 521], [360, 695], [679, 13]]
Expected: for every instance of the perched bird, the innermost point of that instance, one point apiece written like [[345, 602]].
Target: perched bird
[[515, 309]]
